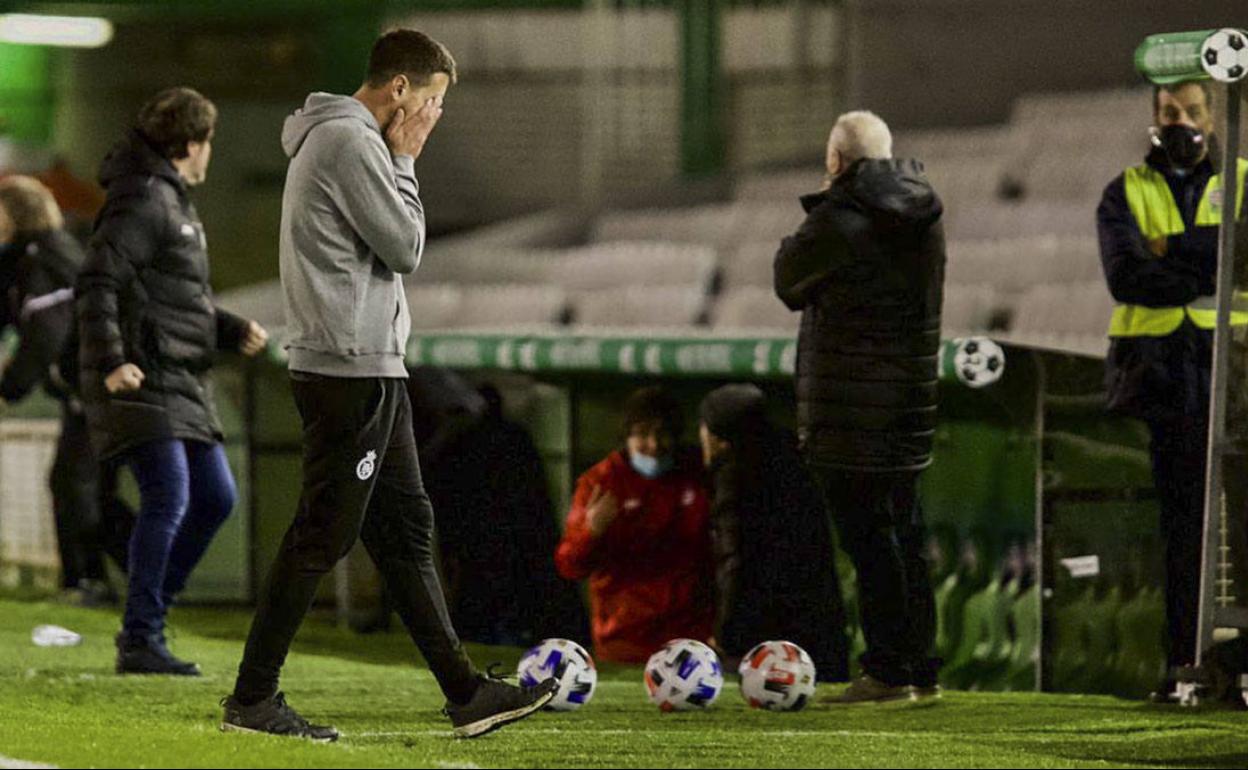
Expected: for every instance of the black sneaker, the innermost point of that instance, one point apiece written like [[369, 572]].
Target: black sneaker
[[149, 655], [274, 717], [496, 704], [925, 694], [89, 594], [868, 689]]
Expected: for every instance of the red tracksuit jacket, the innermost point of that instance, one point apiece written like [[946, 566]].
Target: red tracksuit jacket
[[651, 573]]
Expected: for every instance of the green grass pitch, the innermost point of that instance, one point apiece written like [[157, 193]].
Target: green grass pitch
[[64, 707]]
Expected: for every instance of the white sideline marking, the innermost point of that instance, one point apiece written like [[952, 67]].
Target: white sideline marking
[[9, 763]]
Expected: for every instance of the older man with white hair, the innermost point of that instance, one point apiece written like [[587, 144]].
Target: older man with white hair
[[866, 269]]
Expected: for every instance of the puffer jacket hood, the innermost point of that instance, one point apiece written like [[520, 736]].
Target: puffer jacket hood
[[893, 192], [133, 156]]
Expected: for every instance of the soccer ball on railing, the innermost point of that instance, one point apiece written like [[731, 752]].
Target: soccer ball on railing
[[979, 361], [683, 676], [566, 661], [1225, 55], [777, 676]]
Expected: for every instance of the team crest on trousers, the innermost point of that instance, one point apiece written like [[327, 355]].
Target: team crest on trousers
[[366, 467]]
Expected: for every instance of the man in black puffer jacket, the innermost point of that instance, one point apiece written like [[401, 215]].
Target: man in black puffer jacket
[[149, 332], [867, 271]]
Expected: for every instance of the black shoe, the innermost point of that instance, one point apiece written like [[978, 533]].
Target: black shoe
[[925, 694], [274, 717], [149, 655], [868, 689], [496, 703], [89, 594]]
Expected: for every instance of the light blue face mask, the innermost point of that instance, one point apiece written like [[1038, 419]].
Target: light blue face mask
[[650, 467]]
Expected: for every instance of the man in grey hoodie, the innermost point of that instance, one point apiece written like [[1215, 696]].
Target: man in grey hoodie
[[352, 226]]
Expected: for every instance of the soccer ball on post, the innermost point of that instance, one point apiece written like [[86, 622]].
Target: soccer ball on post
[[1224, 55], [683, 676], [979, 362], [777, 676], [567, 662]]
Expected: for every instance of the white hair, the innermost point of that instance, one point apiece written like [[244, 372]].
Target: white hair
[[859, 135]]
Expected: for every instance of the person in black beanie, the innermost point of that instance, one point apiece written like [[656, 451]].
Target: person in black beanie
[[775, 570]]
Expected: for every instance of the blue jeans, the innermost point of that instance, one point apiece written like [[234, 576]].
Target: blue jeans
[[186, 493]]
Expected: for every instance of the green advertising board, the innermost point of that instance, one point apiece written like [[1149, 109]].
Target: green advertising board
[[975, 362]]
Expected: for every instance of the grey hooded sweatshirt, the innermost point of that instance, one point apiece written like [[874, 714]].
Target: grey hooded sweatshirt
[[352, 226]]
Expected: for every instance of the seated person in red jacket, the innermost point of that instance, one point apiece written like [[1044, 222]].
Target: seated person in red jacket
[[639, 531]]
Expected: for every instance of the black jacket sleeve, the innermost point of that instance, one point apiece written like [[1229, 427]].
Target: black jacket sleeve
[[127, 238], [230, 330], [809, 257], [1135, 275], [45, 312], [726, 542]]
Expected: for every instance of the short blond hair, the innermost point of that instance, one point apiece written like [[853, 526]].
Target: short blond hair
[[859, 135], [29, 205]]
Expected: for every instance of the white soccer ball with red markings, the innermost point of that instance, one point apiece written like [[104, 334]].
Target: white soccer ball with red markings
[[685, 675], [567, 662], [777, 676]]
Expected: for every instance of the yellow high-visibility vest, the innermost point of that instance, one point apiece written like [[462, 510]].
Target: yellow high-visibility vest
[[1158, 216]]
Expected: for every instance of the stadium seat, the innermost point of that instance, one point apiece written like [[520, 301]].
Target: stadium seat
[[261, 302], [1064, 309], [484, 264], [1071, 317], [753, 307], [1025, 644], [640, 306], [509, 306], [958, 143], [1001, 219], [981, 655], [1086, 641], [1140, 662], [968, 309], [632, 263], [965, 181], [750, 263], [1013, 265], [779, 185], [698, 224], [433, 306]]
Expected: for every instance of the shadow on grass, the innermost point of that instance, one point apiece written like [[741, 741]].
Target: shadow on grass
[[321, 635]]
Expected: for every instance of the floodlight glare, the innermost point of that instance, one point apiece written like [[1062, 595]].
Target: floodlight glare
[[66, 31]]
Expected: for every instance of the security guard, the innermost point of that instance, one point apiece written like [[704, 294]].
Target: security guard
[[1158, 226]]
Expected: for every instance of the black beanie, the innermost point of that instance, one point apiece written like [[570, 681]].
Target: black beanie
[[734, 412]]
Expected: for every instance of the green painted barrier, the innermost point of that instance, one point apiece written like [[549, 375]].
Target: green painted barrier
[[975, 362]]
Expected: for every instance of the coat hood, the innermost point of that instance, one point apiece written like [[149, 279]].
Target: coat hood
[[133, 156], [893, 192], [321, 108]]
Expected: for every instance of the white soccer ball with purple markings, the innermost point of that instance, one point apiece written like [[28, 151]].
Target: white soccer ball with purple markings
[[566, 661], [777, 676], [685, 675], [1224, 55]]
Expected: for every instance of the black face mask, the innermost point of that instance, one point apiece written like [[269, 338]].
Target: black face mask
[[1184, 146]]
